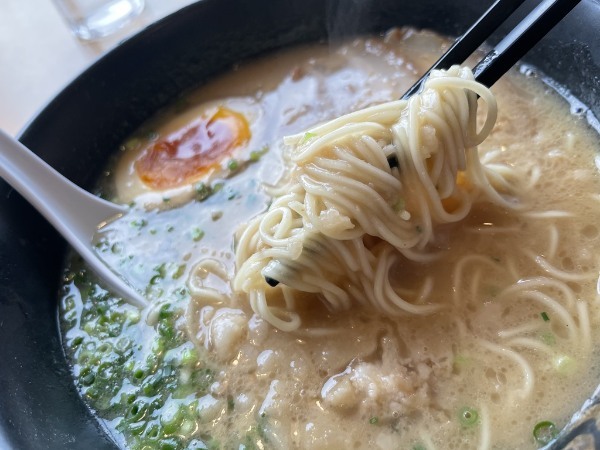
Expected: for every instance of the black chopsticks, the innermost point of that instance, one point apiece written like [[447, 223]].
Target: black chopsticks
[[524, 36]]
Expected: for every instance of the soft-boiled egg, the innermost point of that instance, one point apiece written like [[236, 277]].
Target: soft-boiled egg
[[182, 149]]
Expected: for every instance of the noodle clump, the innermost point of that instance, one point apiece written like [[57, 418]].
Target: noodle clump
[[365, 190]]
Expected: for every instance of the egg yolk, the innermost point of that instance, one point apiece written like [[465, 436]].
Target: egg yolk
[[185, 155], [452, 203]]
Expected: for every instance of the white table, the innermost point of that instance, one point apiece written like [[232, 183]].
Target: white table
[[39, 55]]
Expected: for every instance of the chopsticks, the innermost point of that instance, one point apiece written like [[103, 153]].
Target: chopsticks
[[522, 38]]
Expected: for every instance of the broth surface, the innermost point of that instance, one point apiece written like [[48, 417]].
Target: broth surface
[[191, 373]]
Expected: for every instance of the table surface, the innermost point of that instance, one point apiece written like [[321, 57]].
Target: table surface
[[39, 55]]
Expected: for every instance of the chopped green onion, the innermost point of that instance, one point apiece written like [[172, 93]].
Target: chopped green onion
[[153, 431], [564, 365], [158, 345], [137, 428], [399, 205], [548, 338], [461, 361], [68, 303], [168, 444], [87, 377], [105, 348], [187, 427], [139, 374], [189, 357], [178, 272], [131, 144], [197, 234], [171, 418], [233, 165], [544, 432], [92, 393], [230, 403], [133, 316], [202, 191], [166, 330], [165, 311], [468, 416], [545, 316], [139, 223], [256, 154], [373, 420], [307, 136], [137, 411]]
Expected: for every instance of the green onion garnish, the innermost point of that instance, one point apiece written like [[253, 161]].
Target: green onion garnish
[[548, 338], [564, 365], [202, 191], [307, 136], [256, 154], [545, 316], [138, 223], [468, 416], [544, 432], [399, 205], [197, 234], [233, 165], [373, 420], [180, 270]]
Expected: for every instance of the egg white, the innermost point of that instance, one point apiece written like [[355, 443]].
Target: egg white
[[130, 188]]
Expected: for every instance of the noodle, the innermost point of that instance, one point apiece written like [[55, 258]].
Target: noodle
[[366, 190]]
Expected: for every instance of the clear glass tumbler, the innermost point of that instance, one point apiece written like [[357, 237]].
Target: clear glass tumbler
[[92, 19]]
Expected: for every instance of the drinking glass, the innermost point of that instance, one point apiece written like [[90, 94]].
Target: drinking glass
[[92, 19]]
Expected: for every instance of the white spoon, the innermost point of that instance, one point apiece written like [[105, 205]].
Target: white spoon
[[75, 213]]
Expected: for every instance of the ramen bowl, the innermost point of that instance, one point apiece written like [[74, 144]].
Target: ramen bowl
[[78, 131]]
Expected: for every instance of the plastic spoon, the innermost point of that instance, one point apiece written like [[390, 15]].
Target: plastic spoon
[[75, 213]]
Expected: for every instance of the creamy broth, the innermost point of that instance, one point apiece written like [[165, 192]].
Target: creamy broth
[[205, 372]]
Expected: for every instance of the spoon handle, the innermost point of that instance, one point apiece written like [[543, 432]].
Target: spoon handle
[[75, 213]]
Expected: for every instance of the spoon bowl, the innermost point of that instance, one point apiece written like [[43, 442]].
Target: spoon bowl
[[75, 213]]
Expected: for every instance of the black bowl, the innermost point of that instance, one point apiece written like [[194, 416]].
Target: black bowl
[[78, 130]]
